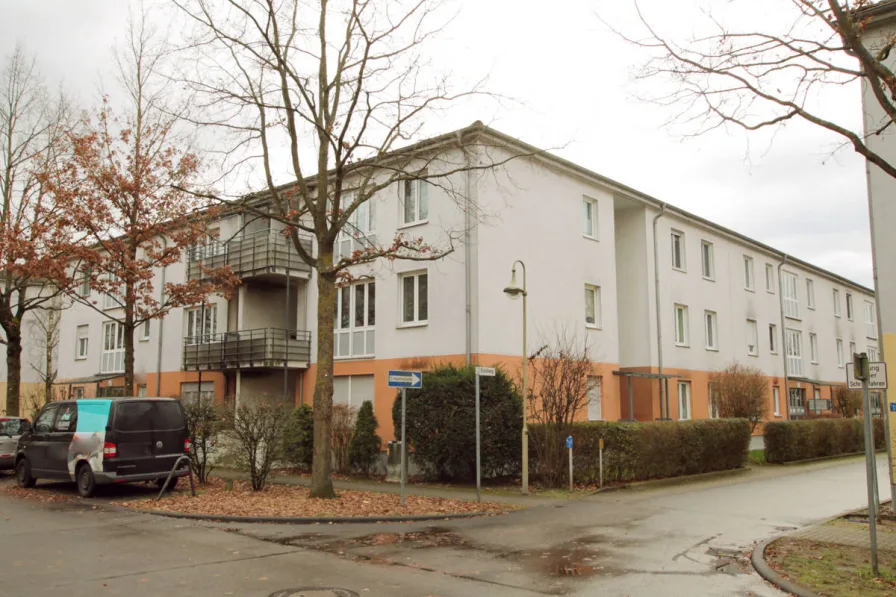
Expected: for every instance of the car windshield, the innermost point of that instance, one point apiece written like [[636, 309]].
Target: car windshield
[[11, 426], [143, 415]]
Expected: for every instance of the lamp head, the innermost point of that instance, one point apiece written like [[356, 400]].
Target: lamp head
[[513, 289]]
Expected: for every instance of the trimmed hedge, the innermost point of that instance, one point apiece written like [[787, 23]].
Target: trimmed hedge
[[789, 441], [640, 451]]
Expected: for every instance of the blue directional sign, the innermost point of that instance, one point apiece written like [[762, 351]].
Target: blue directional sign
[[405, 379], [569, 442], [893, 407]]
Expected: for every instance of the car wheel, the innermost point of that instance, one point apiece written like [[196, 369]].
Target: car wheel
[[171, 485], [86, 481], [23, 473]]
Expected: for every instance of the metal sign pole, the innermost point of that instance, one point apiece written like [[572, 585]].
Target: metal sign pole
[[478, 461], [570, 468], [404, 445], [870, 474]]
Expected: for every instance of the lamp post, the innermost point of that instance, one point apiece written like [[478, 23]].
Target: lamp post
[[513, 290]]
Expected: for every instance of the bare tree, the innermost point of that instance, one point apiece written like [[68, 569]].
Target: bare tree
[[44, 342], [846, 402], [257, 426], [558, 396], [741, 392], [760, 79], [35, 240], [326, 92], [344, 418]]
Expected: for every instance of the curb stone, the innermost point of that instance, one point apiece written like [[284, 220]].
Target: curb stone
[[765, 571]]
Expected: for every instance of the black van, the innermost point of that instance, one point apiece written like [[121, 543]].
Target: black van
[[101, 441]]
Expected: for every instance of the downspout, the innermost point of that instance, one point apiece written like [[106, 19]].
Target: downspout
[[659, 326], [468, 269], [783, 338], [161, 326]]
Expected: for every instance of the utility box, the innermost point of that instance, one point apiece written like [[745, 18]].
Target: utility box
[[393, 462]]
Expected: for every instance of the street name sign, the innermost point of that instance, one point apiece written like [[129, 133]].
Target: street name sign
[[405, 379], [485, 371]]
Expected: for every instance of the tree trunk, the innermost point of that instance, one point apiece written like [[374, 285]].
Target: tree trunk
[[129, 352], [49, 377], [13, 367], [321, 465]]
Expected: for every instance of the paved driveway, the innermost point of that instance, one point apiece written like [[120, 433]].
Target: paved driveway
[[672, 541]]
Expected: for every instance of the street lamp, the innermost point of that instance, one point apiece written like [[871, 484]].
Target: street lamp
[[513, 290]]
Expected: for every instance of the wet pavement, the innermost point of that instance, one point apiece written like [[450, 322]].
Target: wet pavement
[[690, 540]]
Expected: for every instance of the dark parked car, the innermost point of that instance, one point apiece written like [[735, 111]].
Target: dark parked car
[[11, 428], [101, 441]]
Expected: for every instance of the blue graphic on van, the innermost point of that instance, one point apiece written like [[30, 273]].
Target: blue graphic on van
[[90, 435]]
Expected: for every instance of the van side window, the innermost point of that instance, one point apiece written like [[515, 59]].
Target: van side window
[[67, 418], [45, 420]]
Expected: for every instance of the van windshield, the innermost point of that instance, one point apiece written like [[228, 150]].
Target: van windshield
[[145, 415]]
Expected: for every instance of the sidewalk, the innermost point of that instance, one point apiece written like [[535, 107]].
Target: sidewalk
[[854, 534], [454, 493]]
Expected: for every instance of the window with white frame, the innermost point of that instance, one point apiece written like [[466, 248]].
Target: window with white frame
[[359, 231], [414, 298], [202, 324], [144, 331], [840, 361], [112, 360], [684, 400], [870, 320], [415, 201], [353, 390], [849, 309], [708, 260], [794, 348], [595, 408], [776, 400], [78, 393], [355, 333], [871, 351], [589, 217], [112, 299], [788, 293], [852, 350], [82, 342], [810, 293], [681, 325], [769, 277], [752, 337], [713, 393], [749, 279], [193, 393], [141, 391], [773, 338], [836, 303], [592, 306], [678, 256], [710, 321], [84, 284], [813, 347]]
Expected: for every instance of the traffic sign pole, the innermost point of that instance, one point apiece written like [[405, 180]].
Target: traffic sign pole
[[478, 461], [404, 444], [871, 475]]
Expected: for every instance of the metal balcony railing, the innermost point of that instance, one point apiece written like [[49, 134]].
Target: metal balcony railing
[[264, 348], [250, 255]]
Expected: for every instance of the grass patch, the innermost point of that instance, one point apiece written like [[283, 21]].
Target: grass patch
[[833, 570], [757, 457]]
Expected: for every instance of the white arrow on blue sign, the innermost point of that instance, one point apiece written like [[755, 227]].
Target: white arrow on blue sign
[[569, 443], [405, 379]]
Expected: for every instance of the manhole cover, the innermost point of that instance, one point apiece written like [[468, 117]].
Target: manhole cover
[[314, 592]]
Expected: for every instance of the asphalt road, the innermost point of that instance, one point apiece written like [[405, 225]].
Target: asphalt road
[[676, 541]]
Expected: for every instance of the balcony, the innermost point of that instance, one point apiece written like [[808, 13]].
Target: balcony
[[265, 348], [260, 254]]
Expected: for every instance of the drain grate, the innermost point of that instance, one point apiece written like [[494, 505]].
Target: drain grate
[[314, 592]]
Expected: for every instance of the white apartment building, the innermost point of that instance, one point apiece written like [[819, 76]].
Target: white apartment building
[[587, 243]]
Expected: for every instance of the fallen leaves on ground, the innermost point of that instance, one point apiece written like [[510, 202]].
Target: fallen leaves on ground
[[284, 500], [38, 494]]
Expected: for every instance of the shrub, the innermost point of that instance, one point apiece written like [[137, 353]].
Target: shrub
[[441, 423], [639, 451], [846, 402], [204, 422], [788, 441], [298, 437], [257, 427], [741, 393], [366, 444], [343, 427]]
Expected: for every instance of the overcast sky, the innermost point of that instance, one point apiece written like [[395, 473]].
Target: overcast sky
[[572, 85]]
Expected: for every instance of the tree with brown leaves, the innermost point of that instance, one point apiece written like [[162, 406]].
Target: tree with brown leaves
[[846, 402], [741, 392]]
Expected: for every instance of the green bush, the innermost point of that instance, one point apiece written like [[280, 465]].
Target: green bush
[[639, 451], [441, 424], [366, 444], [788, 441], [298, 437]]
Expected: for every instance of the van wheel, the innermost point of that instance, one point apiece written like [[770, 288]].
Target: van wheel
[[23, 473], [171, 485], [86, 481]]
